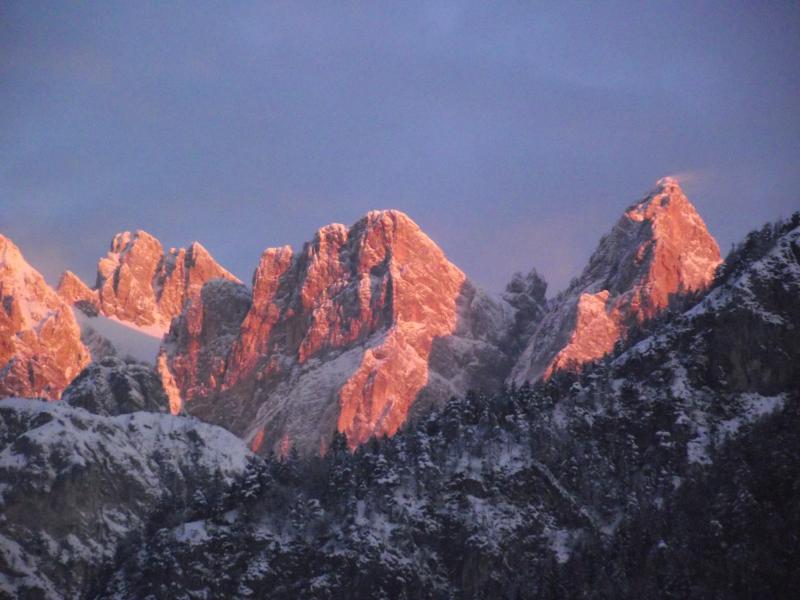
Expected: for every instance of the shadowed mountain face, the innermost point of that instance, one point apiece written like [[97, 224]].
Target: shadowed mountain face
[[111, 387], [140, 284], [346, 335], [40, 342], [659, 248]]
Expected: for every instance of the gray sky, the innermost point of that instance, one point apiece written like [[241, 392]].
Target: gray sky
[[514, 133]]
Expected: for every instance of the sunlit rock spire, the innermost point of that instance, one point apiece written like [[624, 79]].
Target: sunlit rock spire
[[658, 248], [40, 342]]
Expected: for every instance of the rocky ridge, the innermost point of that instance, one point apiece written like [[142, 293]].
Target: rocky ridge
[[138, 283], [355, 332], [82, 479], [112, 387]]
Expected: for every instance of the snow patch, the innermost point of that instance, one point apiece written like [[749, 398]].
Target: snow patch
[[141, 343]]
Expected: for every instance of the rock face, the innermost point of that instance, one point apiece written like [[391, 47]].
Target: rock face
[[659, 248], [78, 294], [139, 284], [526, 294], [78, 488], [113, 387], [347, 335], [200, 340], [40, 341]]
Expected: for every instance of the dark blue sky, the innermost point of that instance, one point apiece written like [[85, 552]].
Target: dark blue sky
[[514, 133]]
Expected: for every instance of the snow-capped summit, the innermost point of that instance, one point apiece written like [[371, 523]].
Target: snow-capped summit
[[660, 247], [362, 326], [40, 345], [139, 284]]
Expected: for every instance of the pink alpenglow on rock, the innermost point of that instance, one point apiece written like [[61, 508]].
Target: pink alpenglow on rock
[[40, 341], [353, 333], [660, 247], [141, 285]]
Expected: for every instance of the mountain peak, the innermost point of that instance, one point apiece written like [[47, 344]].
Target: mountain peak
[[348, 334], [139, 284], [666, 196], [392, 214], [659, 248], [75, 292], [668, 182], [40, 345], [10, 255], [387, 219], [125, 240], [330, 233], [196, 248]]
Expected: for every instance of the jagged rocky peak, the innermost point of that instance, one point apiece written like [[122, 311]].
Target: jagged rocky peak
[[659, 248], [346, 334], [72, 289], [344, 284], [525, 288], [40, 343], [138, 283]]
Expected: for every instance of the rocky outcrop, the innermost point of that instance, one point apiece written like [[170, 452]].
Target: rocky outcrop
[[526, 294], [349, 334], [140, 284], [99, 346], [78, 489], [115, 387], [659, 248], [40, 341], [78, 294]]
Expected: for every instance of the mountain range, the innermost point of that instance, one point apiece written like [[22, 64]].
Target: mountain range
[[367, 325], [363, 420]]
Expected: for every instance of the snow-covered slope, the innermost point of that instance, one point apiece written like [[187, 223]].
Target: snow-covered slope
[[77, 487], [108, 336], [40, 345], [659, 248]]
